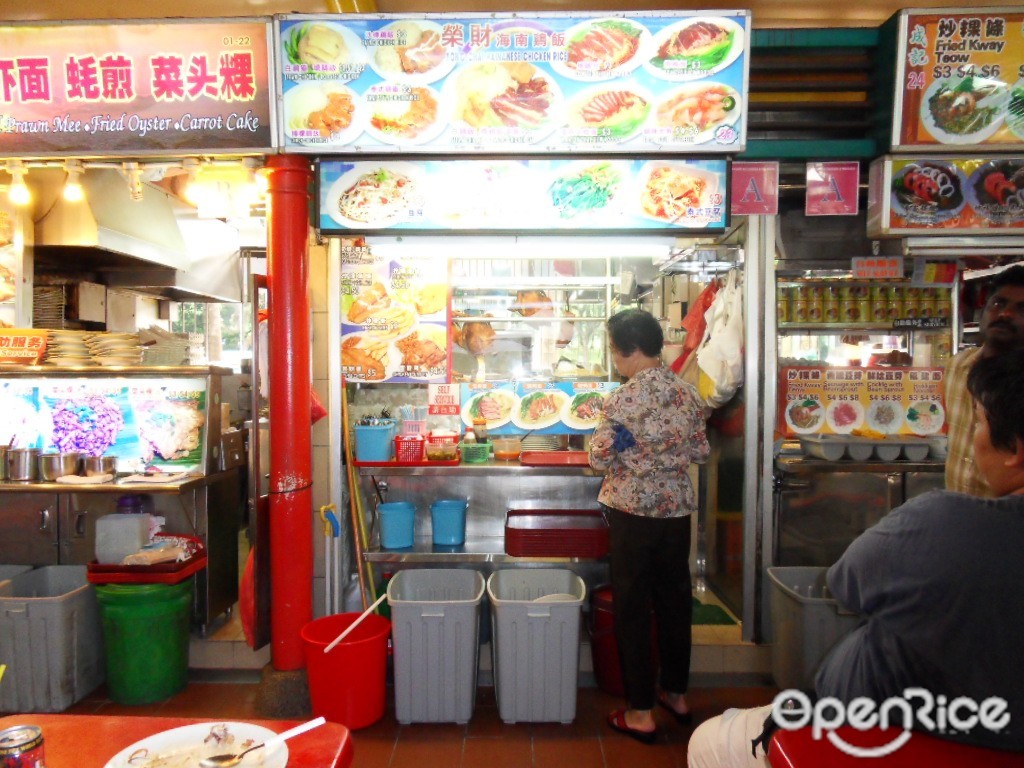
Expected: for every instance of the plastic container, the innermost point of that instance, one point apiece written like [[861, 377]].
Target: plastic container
[[535, 645], [146, 634], [50, 639], [475, 453], [442, 451], [120, 535], [806, 623], [409, 448], [347, 684], [435, 616], [448, 521], [10, 571], [373, 442], [396, 524], [507, 448], [414, 427]]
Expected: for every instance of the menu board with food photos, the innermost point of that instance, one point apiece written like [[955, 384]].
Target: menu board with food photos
[[954, 194], [509, 83], [394, 317], [517, 195], [146, 423], [871, 402], [540, 408], [959, 78]]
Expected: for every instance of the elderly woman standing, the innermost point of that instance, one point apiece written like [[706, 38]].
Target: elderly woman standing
[[652, 429]]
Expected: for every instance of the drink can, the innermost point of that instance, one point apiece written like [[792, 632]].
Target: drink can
[[926, 308], [893, 292], [879, 310], [928, 294], [850, 311], [943, 308], [21, 746], [817, 292], [802, 292], [911, 308], [878, 292], [911, 293], [800, 312], [845, 292], [815, 310], [831, 313], [864, 310], [859, 292], [894, 309], [782, 310]]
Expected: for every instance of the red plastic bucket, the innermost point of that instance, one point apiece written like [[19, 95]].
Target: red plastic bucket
[[347, 684], [604, 649]]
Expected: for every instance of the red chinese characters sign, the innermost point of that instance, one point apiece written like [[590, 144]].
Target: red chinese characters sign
[[22, 346], [114, 89]]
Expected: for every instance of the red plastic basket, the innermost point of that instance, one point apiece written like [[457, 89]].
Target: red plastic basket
[[409, 448], [442, 439]]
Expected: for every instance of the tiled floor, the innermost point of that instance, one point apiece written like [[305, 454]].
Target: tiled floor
[[485, 742]]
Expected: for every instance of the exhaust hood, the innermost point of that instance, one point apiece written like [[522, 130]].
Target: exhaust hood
[[134, 245]]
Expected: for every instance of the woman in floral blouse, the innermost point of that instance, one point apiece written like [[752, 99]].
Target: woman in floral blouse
[[651, 430]]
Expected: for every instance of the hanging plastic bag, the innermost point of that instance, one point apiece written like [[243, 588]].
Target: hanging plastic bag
[[695, 325], [720, 357]]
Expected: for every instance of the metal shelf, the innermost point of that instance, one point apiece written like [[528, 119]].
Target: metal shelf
[[483, 549]]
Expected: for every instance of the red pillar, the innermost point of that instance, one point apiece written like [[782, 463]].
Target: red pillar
[[291, 456]]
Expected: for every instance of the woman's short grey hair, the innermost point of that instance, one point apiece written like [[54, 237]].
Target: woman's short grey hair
[[634, 329]]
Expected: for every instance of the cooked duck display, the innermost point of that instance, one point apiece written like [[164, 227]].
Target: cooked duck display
[[530, 303], [477, 338]]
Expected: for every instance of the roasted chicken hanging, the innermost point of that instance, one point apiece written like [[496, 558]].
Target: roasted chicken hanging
[[477, 338], [532, 303]]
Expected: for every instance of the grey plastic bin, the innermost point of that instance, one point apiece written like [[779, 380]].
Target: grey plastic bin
[[435, 620], [536, 643], [51, 639], [806, 623]]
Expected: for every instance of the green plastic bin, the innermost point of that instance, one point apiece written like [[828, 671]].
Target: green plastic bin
[[146, 634]]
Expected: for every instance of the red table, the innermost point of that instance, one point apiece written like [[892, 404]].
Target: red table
[[797, 749], [80, 741]]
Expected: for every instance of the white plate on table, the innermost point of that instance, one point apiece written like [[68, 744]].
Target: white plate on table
[[189, 744]]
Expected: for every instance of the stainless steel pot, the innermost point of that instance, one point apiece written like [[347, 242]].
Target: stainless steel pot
[[22, 464], [54, 465], [99, 465], [3, 462]]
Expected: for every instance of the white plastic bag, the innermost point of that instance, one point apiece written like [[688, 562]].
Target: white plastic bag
[[720, 356]]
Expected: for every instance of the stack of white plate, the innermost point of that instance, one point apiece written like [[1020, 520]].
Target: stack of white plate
[[542, 443], [48, 306], [115, 349], [67, 348]]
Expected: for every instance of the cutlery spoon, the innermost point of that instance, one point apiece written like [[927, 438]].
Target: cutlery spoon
[[228, 760]]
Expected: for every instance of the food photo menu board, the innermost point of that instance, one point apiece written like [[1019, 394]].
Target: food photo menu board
[[869, 402], [394, 317], [959, 78], [646, 82], [680, 194], [145, 423], [540, 408], [956, 194]]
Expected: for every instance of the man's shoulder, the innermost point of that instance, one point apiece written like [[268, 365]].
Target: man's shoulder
[[964, 359]]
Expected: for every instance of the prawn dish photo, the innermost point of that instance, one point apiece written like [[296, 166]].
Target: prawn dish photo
[[692, 113], [964, 110], [538, 410], [926, 417], [696, 48], [996, 191], [672, 193], [494, 405], [616, 113], [514, 96], [928, 192], [583, 410], [805, 416], [602, 49]]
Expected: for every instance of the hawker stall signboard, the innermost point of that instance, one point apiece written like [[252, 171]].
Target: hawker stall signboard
[[959, 78], [542, 83], [146, 423], [146, 87], [866, 402], [954, 194], [540, 408], [679, 194], [394, 317]]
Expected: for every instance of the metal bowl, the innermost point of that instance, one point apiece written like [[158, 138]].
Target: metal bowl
[[54, 465], [100, 465]]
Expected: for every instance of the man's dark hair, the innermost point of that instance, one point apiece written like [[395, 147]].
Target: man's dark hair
[[1011, 276], [997, 383], [633, 329]]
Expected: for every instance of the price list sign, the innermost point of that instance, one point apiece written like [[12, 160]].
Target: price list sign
[[959, 78]]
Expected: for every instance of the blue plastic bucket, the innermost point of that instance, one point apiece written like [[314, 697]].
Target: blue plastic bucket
[[448, 521], [396, 524], [374, 443]]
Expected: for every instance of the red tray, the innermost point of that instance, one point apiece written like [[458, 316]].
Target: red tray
[[554, 459], [556, 533], [452, 463], [161, 573]]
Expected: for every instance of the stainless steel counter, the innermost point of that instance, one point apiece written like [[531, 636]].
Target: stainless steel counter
[[489, 467], [113, 486], [477, 549], [800, 464]]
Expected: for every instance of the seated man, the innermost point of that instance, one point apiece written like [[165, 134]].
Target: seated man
[[938, 582]]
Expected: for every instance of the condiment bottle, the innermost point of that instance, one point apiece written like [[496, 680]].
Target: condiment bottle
[[469, 437], [480, 428]]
